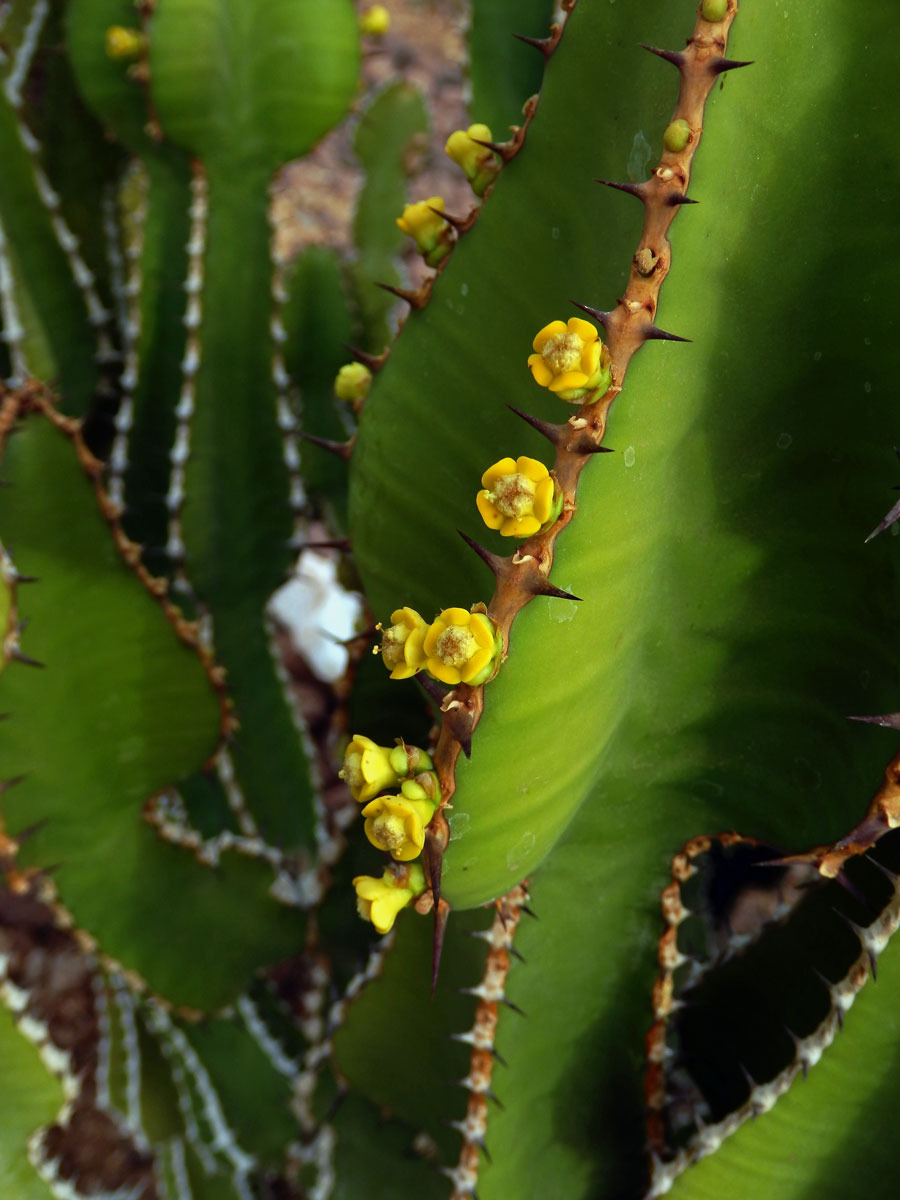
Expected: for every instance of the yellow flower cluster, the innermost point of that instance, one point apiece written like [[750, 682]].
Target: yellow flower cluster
[[569, 359], [457, 647], [394, 823]]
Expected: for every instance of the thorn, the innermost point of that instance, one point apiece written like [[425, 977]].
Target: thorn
[[489, 1092], [29, 831], [18, 655], [6, 784], [675, 57], [633, 189], [498, 1057], [677, 198], [513, 1007], [654, 334], [886, 871], [441, 913], [749, 1078], [460, 224], [546, 428], [432, 688], [851, 888], [466, 745], [542, 44], [602, 317], [341, 449], [26, 578], [727, 64], [505, 150], [496, 562], [415, 297], [515, 953], [892, 516], [530, 911], [545, 588], [373, 361], [889, 720]]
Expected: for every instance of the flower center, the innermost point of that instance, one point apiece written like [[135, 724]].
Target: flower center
[[351, 772], [392, 643], [563, 352], [456, 646], [513, 495], [389, 831]]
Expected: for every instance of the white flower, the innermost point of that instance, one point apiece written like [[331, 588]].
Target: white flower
[[319, 614]]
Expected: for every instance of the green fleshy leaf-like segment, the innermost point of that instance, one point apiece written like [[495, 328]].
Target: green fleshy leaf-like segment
[[503, 71], [515, 271], [58, 337], [386, 138], [830, 1135], [376, 1158], [31, 1099], [395, 1045], [252, 84], [733, 591], [316, 315], [127, 710], [237, 518]]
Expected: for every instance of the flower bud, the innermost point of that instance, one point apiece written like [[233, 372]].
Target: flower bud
[[431, 233], [375, 21], [480, 164], [352, 384]]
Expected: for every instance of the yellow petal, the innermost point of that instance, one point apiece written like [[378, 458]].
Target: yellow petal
[[590, 358], [505, 466], [442, 672], [568, 379], [481, 132], [585, 330], [543, 500], [531, 468], [521, 528], [476, 663], [484, 633], [539, 369], [491, 517], [549, 331], [455, 616]]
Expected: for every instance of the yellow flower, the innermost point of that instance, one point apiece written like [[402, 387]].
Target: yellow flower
[[123, 43], [517, 496], [401, 643], [396, 824], [480, 164], [569, 359], [379, 900], [367, 768], [431, 233], [375, 20], [462, 647], [352, 384]]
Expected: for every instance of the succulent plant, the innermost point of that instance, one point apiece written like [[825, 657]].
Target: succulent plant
[[623, 865]]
